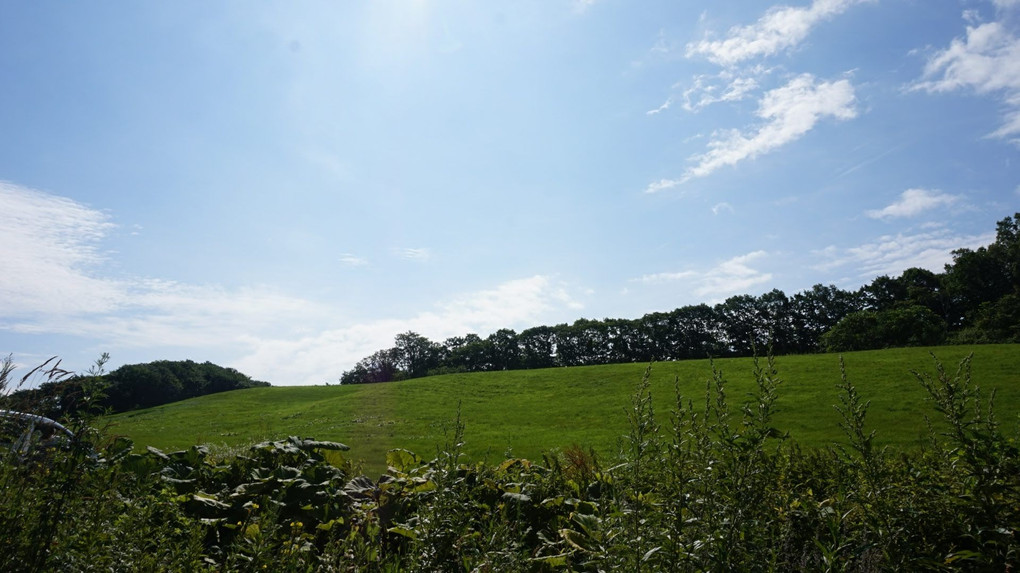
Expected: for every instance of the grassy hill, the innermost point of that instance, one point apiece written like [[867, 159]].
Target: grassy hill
[[534, 411]]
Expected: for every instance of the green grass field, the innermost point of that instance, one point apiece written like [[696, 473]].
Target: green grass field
[[530, 412]]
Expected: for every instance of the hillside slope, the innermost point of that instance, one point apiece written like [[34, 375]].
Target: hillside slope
[[533, 411]]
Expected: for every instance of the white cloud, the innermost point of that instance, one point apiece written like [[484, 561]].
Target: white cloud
[[322, 357], [352, 260], [724, 87], [781, 28], [720, 207], [48, 245], [912, 202], [1005, 4], [662, 185], [581, 6], [661, 108], [706, 90], [157, 313], [52, 284], [986, 61], [929, 249], [658, 278], [730, 277], [414, 254], [789, 112]]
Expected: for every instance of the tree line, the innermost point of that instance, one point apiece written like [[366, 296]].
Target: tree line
[[129, 387], [975, 300]]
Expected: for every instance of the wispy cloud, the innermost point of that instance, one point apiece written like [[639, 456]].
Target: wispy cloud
[[724, 87], [789, 112], [781, 28], [582, 6], [416, 254], [53, 284], [711, 89], [166, 314], [659, 278], [729, 277], [929, 248], [662, 185], [665, 105], [913, 202], [720, 207], [49, 245], [986, 61], [514, 304], [352, 260]]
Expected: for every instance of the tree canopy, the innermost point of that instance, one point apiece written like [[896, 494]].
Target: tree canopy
[[131, 387], [976, 299]]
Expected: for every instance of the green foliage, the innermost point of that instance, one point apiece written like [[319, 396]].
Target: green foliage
[[718, 488], [895, 327], [999, 321], [129, 387]]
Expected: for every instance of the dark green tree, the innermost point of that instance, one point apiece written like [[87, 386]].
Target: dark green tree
[[380, 366], [504, 353], [999, 321], [896, 327], [856, 331], [816, 311], [415, 354], [984, 275], [538, 347], [883, 293]]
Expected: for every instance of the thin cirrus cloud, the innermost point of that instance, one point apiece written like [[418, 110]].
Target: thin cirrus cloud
[[781, 28], [161, 314], [414, 254], [986, 61], [913, 202], [54, 283], [49, 245], [705, 93], [729, 277], [352, 260], [929, 248], [662, 185], [665, 105], [789, 112], [722, 207], [712, 89]]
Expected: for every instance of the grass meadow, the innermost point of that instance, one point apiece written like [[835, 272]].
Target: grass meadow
[[528, 413]]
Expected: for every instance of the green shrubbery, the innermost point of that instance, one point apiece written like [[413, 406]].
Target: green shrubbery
[[892, 328], [711, 485]]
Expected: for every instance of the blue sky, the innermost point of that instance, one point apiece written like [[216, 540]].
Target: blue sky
[[283, 187]]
